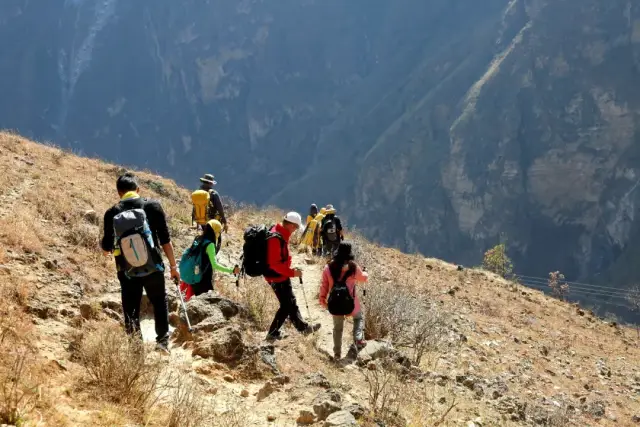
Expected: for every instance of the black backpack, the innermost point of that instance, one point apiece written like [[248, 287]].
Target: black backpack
[[330, 230], [340, 301], [254, 250]]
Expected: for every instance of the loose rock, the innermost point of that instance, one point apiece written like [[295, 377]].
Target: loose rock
[[340, 419], [326, 403], [306, 417], [223, 345]]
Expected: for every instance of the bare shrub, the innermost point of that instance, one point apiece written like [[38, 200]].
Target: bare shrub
[[633, 298], [497, 261], [188, 405], [20, 230], [559, 286], [257, 298], [83, 235], [18, 388], [406, 319], [117, 366], [230, 418], [384, 388], [18, 373]]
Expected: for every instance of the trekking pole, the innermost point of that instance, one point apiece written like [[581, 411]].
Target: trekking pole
[[304, 293], [184, 306]]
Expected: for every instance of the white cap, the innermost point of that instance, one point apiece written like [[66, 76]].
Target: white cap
[[294, 218]]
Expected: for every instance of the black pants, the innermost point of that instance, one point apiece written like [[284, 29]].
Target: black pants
[[131, 290], [288, 308], [330, 248]]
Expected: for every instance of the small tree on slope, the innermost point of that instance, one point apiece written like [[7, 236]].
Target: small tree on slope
[[497, 261], [633, 298]]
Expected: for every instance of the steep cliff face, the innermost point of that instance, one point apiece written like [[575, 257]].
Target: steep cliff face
[[438, 126]]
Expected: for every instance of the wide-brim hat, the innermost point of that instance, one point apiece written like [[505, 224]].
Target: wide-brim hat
[[208, 179]]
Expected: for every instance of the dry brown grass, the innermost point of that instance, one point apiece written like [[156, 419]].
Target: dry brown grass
[[19, 374], [21, 230], [118, 369], [256, 297], [188, 405]]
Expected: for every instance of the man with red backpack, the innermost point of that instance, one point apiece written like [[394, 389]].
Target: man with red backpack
[[279, 274]]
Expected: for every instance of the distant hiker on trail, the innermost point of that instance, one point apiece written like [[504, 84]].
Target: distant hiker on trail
[[338, 295], [313, 211], [134, 230], [309, 233], [199, 261], [279, 274], [332, 233], [317, 235], [207, 204]]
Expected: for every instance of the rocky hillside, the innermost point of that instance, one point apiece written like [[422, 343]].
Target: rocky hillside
[[481, 351], [453, 123]]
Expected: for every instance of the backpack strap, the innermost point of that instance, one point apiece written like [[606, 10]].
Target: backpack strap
[[274, 235]]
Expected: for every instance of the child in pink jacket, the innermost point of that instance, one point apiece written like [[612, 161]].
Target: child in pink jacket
[[341, 265]]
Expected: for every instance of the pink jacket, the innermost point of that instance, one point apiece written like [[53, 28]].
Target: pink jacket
[[327, 284]]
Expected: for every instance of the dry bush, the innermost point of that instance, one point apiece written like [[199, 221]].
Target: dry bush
[[558, 284], [231, 418], [384, 389], [633, 298], [18, 387], [117, 366], [18, 365], [256, 296], [188, 406], [426, 404], [84, 235], [406, 319], [20, 230]]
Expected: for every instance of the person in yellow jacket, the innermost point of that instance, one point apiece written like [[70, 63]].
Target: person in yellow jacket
[[310, 237], [313, 211], [316, 245]]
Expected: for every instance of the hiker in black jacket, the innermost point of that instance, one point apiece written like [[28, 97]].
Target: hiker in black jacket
[[132, 280]]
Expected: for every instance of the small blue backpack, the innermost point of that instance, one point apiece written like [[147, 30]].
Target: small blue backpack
[[191, 262]]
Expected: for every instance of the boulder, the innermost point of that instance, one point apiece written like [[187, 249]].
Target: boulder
[[317, 379], [326, 403], [266, 390], [223, 345], [355, 409], [210, 324], [374, 350], [198, 310], [229, 308], [340, 419], [306, 417]]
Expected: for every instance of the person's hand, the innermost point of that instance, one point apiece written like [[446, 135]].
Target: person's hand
[[236, 270], [175, 274], [225, 227], [297, 272], [106, 253]]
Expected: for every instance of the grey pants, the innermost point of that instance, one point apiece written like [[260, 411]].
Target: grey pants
[[338, 326]]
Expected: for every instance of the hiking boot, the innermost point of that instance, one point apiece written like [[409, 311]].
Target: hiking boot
[[311, 329], [275, 336], [360, 344], [163, 347]]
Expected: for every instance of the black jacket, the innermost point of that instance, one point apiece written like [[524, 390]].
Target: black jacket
[[155, 216]]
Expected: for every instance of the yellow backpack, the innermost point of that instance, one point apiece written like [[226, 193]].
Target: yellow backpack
[[200, 200]]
